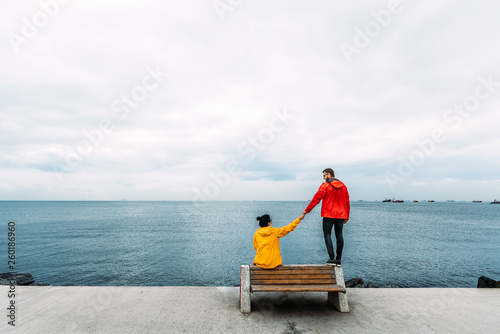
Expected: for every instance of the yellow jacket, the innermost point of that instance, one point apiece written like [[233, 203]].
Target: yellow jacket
[[267, 244]]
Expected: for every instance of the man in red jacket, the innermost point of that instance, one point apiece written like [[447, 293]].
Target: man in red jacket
[[335, 211]]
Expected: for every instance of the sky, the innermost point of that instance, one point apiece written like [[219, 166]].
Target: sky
[[249, 100]]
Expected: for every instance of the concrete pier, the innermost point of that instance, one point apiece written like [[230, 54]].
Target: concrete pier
[[83, 309]]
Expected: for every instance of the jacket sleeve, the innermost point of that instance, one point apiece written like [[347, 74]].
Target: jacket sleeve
[[282, 231], [255, 241], [348, 203], [320, 194]]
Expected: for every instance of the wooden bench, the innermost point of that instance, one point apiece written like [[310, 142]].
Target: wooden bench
[[293, 278]]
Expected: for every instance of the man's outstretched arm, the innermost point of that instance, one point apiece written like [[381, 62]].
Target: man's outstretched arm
[[320, 194]]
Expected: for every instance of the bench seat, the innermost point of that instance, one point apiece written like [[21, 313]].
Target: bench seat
[[293, 278]]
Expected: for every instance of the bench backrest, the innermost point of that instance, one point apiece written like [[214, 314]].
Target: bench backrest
[[293, 275]]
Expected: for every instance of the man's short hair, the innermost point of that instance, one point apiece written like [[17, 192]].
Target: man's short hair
[[329, 171]]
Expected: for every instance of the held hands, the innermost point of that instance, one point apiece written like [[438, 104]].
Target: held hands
[[305, 213], [302, 215]]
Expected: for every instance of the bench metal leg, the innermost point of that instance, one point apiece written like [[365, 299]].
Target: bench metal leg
[[245, 299], [339, 299]]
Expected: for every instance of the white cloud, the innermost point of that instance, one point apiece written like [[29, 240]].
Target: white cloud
[[419, 184], [225, 79], [448, 180]]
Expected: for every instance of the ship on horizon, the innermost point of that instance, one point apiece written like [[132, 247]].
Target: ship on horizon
[[393, 200]]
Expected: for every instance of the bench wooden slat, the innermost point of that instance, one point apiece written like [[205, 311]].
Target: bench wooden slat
[[295, 267], [293, 281], [307, 276], [292, 272], [295, 288]]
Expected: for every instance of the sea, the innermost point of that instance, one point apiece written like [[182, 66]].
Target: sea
[[170, 243]]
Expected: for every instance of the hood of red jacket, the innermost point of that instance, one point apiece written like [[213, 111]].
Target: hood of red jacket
[[335, 183]]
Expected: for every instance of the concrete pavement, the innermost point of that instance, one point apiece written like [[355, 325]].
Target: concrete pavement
[[84, 309]]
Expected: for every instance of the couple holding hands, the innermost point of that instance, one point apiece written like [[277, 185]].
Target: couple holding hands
[[335, 210]]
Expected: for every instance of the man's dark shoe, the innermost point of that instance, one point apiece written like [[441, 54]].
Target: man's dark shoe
[[337, 262], [330, 261]]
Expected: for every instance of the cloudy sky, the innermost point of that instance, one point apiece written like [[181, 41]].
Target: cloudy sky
[[248, 100]]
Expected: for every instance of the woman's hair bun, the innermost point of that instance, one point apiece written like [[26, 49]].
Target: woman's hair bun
[[264, 220]]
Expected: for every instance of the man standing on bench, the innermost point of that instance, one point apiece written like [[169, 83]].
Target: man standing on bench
[[335, 211]]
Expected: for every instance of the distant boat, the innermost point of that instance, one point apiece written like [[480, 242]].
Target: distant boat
[[386, 200], [415, 201], [397, 201], [430, 201], [477, 201], [495, 202]]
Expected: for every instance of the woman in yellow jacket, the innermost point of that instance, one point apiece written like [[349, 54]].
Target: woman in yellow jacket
[[267, 244]]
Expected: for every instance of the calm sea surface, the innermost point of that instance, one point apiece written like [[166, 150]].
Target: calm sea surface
[[184, 243]]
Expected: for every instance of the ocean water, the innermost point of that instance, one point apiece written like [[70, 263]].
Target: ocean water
[[188, 244]]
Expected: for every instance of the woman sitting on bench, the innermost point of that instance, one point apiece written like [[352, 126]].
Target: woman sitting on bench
[[267, 244]]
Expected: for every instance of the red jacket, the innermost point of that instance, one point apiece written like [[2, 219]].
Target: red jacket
[[335, 200]]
